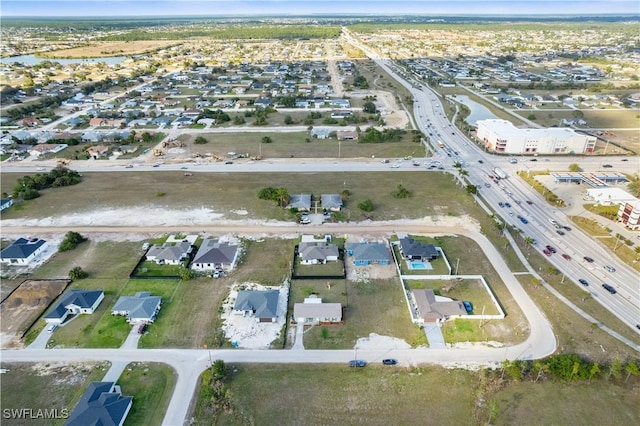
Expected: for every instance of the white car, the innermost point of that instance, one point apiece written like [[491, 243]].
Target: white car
[[395, 166], [52, 328]]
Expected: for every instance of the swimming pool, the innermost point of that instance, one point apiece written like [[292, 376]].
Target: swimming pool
[[418, 265]]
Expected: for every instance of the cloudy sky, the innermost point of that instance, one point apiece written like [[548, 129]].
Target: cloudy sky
[[304, 7]]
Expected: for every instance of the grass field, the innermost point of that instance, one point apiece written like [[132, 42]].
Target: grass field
[[46, 387], [151, 385], [597, 118], [300, 145], [212, 191], [377, 395]]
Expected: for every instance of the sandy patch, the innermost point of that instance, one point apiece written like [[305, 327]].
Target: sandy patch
[[376, 341], [245, 331], [240, 212]]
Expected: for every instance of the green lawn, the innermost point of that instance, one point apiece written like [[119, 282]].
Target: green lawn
[[151, 385], [328, 269], [152, 269], [471, 290], [46, 386]]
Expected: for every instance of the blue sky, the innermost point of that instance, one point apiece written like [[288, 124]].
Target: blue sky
[[286, 7]]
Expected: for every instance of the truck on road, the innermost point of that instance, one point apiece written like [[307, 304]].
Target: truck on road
[[500, 173]]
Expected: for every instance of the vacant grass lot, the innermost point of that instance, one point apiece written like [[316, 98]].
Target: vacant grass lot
[[612, 118], [374, 395], [46, 387], [376, 306], [301, 145], [111, 48], [598, 403], [151, 385], [212, 190]]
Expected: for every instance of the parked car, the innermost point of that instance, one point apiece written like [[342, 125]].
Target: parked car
[[588, 259], [609, 288], [468, 306], [357, 363], [389, 361], [609, 268], [566, 256], [52, 328], [142, 328], [583, 282]]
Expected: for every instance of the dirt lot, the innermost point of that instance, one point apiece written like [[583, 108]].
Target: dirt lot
[[24, 306], [110, 48]]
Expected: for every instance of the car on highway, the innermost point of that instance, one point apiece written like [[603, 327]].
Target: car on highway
[[607, 166], [228, 162], [529, 202], [566, 228], [482, 162], [609, 268], [488, 185], [357, 363], [559, 232], [389, 361], [547, 252], [566, 256], [524, 220], [183, 168], [534, 159], [588, 259], [40, 169], [501, 204], [583, 282], [609, 288], [626, 159], [395, 165], [508, 205], [551, 248], [156, 165]]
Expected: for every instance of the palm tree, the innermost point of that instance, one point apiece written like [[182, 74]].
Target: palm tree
[[282, 195]]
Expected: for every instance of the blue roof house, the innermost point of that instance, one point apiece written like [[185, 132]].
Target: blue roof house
[[101, 404], [22, 251], [368, 254]]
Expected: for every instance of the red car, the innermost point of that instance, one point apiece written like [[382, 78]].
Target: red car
[[547, 252], [566, 256]]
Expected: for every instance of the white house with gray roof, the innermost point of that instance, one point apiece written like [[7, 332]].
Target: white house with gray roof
[[301, 202], [261, 304], [331, 202], [314, 253], [364, 254], [215, 255], [169, 254], [314, 311], [75, 302], [141, 308]]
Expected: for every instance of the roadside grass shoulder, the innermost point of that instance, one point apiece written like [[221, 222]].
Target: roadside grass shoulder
[[151, 385]]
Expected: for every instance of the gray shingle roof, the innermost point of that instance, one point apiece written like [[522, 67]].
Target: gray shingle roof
[[413, 248], [374, 252], [169, 252], [263, 303], [300, 201], [213, 251], [310, 251], [99, 406], [140, 306], [331, 201]]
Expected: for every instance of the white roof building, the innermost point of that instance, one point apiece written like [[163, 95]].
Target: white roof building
[[503, 136], [610, 196]]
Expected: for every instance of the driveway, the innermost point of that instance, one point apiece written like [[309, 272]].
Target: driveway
[[132, 339], [434, 335], [41, 340]]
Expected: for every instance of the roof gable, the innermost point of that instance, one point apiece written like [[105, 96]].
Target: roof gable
[[214, 251], [263, 303], [100, 406], [21, 248]]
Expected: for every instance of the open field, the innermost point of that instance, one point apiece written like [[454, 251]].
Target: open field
[[110, 48], [46, 387], [596, 118], [211, 191], [375, 306], [427, 395], [25, 305], [151, 385], [298, 145]]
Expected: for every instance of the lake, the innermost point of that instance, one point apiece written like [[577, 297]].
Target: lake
[[33, 60], [478, 111]]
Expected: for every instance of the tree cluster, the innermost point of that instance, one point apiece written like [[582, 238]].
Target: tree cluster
[[279, 195], [27, 187], [71, 241], [373, 135]]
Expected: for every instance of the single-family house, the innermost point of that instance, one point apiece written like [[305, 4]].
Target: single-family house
[[317, 253], [432, 308], [75, 302], [215, 255], [22, 251], [368, 254], [261, 304], [415, 250], [340, 103], [5, 203], [97, 122], [339, 114], [168, 253], [331, 202], [101, 404], [141, 308], [46, 148], [31, 122], [314, 311], [347, 135], [302, 202], [97, 151], [161, 121], [183, 121], [262, 103], [320, 133]]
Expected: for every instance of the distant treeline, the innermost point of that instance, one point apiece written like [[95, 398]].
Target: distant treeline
[[496, 25], [227, 33]]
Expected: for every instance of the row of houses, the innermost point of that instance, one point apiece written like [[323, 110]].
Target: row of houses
[[212, 254]]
